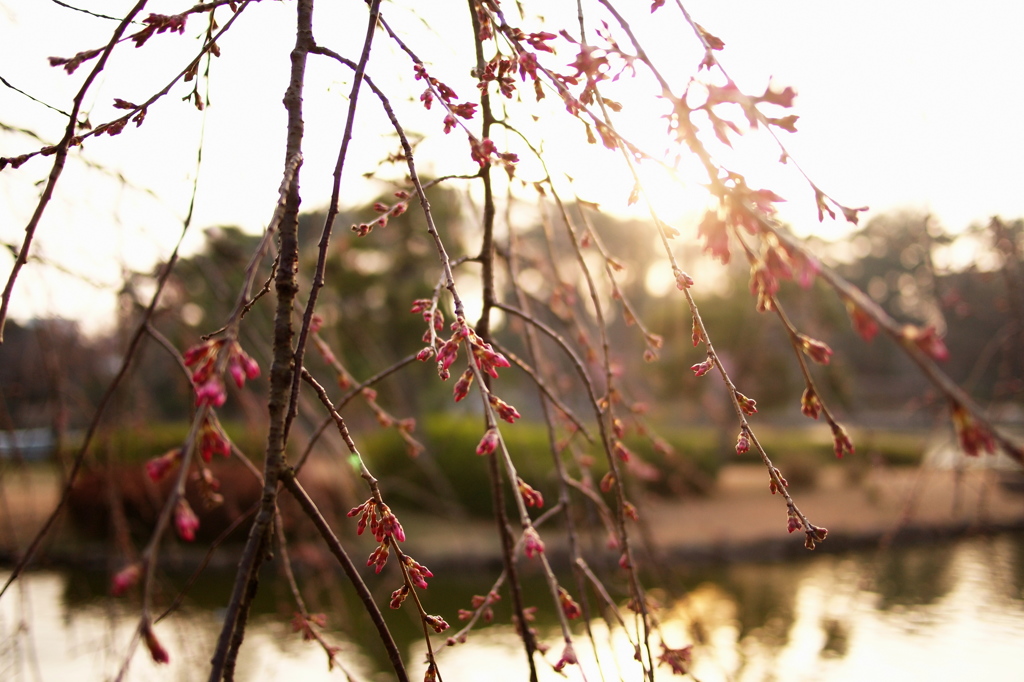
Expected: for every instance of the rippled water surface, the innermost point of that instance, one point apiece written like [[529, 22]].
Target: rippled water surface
[[945, 612]]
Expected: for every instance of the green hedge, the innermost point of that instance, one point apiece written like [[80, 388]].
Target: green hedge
[[451, 473], [896, 448], [138, 444]]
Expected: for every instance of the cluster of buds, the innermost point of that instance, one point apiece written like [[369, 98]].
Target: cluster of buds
[[203, 359], [418, 573], [383, 525], [398, 597], [532, 544], [814, 535], [772, 485], [793, 521], [482, 604], [747, 405], [569, 606], [841, 440], [810, 404], [212, 440], [504, 410], [742, 443], [621, 451], [381, 520], [386, 212], [159, 23], [436, 622], [531, 497], [702, 368], [816, 350]]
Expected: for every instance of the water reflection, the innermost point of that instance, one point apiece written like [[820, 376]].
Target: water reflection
[[947, 612]]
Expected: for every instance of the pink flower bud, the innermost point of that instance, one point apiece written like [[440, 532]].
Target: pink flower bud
[[817, 350], [488, 443], [462, 385], [185, 521], [156, 650], [125, 579], [532, 543], [702, 368]]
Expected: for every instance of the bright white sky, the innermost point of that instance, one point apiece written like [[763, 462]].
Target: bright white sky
[[902, 104]]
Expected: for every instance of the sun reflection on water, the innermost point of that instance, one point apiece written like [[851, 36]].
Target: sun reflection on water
[[950, 612]]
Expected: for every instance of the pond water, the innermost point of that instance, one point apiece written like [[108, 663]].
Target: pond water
[[953, 611]]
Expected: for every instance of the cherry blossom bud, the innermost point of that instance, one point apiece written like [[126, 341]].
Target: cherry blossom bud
[[621, 451], [505, 411], [418, 573], [810, 405], [568, 658], [841, 440], [794, 522], [683, 280], [569, 607], [488, 443], [928, 341], [973, 436], [532, 543], [461, 389], [747, 405], [158, 467], [817, 350], [531, 497], [212, 441], [185, 520], [436, 622], [125, 579], [398, 596], [425, 354], [379, 557], [156, 650], [742, 443], [420, 305], [814, 536], [772, 485], [388, 525], [211, 393], [702, 368]]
